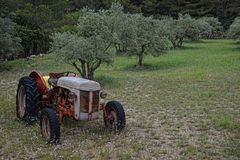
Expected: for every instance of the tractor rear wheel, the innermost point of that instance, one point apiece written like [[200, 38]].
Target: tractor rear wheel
[[27, 99], [49, 125], [115, 116]]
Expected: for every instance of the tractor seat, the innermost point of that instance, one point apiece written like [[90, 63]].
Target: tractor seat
[[53, 78]]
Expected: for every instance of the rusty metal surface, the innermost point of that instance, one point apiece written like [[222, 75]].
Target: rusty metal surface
[[41, 85], [85, 101]]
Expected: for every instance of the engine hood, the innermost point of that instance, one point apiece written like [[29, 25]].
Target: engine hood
[[78, 83]]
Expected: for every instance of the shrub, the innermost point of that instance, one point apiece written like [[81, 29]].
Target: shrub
[[205, 30], [234, 30], [186, 27], [179, 29], [190, 27], [216, 27]]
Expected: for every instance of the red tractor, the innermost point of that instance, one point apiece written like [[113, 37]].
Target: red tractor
[[50, 98]]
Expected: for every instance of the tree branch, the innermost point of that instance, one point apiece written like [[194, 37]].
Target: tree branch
[[79, 69], [83, 62], [97, 65], [109, 45]]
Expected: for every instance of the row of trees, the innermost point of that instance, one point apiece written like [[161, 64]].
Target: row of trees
[[85, 37], [186, 27], [35, 21], [88, 45], [97, 32]]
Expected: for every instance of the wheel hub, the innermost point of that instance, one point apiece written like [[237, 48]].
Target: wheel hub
[[112, 119], [22, 101], [45, 127]]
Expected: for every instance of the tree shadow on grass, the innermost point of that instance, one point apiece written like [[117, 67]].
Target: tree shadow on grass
[[187, 48], [237, 49], [236, 45], [207, 41], [154, 66], [201, 41]]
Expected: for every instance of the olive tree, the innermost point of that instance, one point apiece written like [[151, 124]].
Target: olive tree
[[142, 35], [186, 27], [234, 30], [190, 26], [9, 41], [175, 32], [204, 29], [87, 49], [216, 27], [179, 29], [118, 24]]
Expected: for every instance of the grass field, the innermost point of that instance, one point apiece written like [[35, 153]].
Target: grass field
[[183, 105]]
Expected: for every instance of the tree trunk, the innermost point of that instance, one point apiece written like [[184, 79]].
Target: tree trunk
[[116, 48], [82, 70], [140, 60], [140, 57], [83, 65], [180, 42], [174, 43], [90, 71]]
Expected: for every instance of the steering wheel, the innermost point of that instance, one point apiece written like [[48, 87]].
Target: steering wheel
[[69, 74]]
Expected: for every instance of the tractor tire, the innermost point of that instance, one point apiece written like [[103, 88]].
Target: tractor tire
[[27, 99], [115, 116], [49, 125]]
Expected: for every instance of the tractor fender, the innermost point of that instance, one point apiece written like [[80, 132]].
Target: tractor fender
[[42, 85]]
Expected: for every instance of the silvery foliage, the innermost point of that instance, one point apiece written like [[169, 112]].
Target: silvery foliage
[[9, 41], [190, 26], [204, 29], [139, 35], [179, 29], [119, 23], [216, 27], [89, 45], [97, 31], [94, 28], [234, 30], [146, 33], [175, 32], [66, 47], [186, 27]]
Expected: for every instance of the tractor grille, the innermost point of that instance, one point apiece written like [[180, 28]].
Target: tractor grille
[[85, 99]]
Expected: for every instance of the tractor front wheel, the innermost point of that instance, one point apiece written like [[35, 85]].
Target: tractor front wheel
[[49, 125], [114, 116]]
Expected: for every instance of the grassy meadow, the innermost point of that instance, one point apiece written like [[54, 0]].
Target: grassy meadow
[[183, 105]]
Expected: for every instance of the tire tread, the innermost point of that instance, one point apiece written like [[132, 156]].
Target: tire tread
[[54, 124], [32, 98], [120, 113]]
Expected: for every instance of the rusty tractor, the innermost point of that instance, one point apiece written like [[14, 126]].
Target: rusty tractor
[[50, 98]]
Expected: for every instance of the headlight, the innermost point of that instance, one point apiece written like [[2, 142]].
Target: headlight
[[103, 94]]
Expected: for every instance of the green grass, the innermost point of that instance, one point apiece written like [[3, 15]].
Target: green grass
[[182, 105]]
